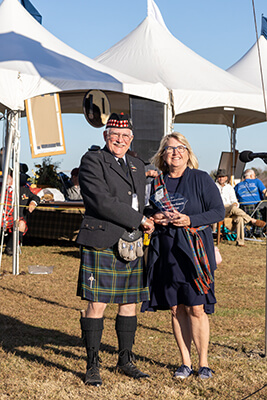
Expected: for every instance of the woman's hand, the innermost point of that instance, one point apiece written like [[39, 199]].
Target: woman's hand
[[180, 220], [160, 219]]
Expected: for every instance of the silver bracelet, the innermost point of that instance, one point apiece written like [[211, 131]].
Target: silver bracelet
[[143, 221]]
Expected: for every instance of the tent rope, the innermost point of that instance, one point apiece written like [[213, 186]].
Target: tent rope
[[260, 63]]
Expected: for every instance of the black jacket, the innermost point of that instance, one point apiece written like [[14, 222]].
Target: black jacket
[[107, 195], [25, 197]]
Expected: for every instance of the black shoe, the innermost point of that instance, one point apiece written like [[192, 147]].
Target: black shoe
[[92, 376], [131, 370], [128, 368], [8, 251]]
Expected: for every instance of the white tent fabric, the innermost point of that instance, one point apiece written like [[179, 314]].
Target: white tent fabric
[[248, 67], [34, 62], [201, 90]]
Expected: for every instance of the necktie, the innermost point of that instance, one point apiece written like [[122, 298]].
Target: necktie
[[123, 165]]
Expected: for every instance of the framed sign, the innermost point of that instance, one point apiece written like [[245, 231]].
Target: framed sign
[[226, 162], [45, 125]]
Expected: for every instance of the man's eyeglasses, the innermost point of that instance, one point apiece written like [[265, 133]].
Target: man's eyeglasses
[[171, 149], [125, 137]]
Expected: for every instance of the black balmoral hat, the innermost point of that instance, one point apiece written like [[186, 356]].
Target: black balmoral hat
[[119, 121]]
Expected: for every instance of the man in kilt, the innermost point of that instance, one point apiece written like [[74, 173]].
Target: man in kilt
[[113, 189]]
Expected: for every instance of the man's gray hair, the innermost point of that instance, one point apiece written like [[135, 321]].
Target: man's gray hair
[[248, 173]]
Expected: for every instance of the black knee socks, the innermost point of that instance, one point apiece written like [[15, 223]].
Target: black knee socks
[[9, 242], [20, 237], [92, 332], [125, 329]]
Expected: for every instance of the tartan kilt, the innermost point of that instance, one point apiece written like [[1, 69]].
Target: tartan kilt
[[249, 208], [105, 277]]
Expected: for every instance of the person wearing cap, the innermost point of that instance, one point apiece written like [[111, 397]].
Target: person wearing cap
[[74, 192], [232, 209], [249, 192], [113, 189]]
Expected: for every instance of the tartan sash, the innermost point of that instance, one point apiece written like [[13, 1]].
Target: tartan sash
[[201, 262]]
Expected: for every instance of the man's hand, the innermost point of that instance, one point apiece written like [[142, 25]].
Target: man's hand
[[148, 226], [152, 173], [32, 206]]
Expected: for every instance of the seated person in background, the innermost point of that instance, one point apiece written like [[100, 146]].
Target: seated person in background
[[74, 192], [232, 209], [249, 193], [27, 203], [50, 194]]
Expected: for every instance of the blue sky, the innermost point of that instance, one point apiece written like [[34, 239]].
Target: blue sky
[[219, 30]]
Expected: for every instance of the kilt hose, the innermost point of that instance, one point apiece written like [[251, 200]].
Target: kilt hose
[[105, 277]]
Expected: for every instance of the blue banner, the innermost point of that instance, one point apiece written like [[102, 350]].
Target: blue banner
[[32, 10], [264, 26]]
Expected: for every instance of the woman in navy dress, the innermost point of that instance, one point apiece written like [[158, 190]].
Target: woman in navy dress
[[181, 260]]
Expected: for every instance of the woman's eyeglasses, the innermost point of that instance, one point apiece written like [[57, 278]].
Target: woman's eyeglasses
[[171, 149]]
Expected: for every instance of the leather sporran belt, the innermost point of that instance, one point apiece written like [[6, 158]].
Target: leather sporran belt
[[130, 245]]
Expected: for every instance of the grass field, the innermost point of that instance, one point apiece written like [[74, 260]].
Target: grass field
[[42, 354]]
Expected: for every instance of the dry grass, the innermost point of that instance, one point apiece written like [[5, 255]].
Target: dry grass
[[42, 355]]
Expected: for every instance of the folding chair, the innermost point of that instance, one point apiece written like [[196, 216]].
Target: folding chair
[[224, 233], [249, 230]]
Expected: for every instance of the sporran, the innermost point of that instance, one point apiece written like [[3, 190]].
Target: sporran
[[130, 245]]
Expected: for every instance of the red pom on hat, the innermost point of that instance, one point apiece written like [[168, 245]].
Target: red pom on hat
[[119, 121]]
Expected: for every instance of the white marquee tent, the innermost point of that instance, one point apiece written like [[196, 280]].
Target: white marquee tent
[[201, 92], [34, 62], [248, 67]]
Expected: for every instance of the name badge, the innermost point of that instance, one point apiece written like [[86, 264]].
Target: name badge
[[135, 203]]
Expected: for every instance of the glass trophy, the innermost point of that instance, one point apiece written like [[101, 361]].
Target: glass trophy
[[168, 204]]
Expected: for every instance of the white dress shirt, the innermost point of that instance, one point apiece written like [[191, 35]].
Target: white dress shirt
[[135, 201], [228, 194]]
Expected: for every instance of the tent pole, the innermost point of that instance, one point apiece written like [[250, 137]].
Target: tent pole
[[169, 114], [265, 354], [166, 119], [11, 133], [16, 181], [2, 201], [8, 146], [233, 149]]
